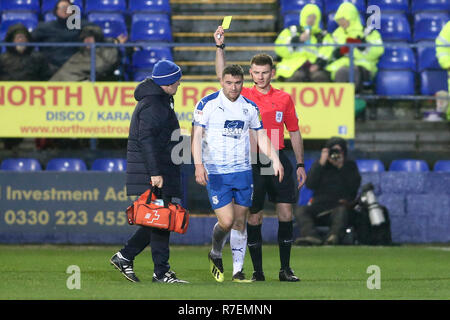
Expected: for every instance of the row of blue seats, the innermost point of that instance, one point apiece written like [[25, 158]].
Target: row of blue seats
[[156, 26], [89, 5], [118, 164], [144, 26], [164, 5], [63, 164], [393, 26], [328, 6], [404, 82], [397, 73]]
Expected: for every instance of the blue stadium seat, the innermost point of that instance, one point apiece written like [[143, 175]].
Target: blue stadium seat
[[66, 164], [395, 82], [370, 165], [28, 5], [429, 5], [427, 25], [109, 164], [432, 81], [21, 164], [426, 57], [141, 74], [442, 166], [297, 5], [149, 6], [409, 165], [150, 27], [308, 164], [9, 18], [332, 25], [291, 19], [395, 27], [397, 58], [305, 194], [146, 58], [333, 5], [390, 5], [49, 5], [105, 5], [112, 24]]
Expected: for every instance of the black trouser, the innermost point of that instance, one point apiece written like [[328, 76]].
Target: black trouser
[[310, 216], [304, 75], [159, 240], [361, 75]]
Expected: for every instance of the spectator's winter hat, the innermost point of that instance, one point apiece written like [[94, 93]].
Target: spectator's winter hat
[[11, 33], [16, 29], [165, 73], [92, 31]]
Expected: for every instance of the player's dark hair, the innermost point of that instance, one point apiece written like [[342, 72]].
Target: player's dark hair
[[235, 70], [262, 59]]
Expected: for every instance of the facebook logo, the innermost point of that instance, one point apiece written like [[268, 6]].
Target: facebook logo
[[342, 130]]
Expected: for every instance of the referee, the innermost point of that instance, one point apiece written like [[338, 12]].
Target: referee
[[277, 110]]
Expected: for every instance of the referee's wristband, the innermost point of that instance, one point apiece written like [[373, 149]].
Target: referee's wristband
[[300, 165]]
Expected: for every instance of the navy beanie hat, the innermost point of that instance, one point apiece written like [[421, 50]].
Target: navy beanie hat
[[165, 73]]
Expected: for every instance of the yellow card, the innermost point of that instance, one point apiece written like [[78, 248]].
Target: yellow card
[[226, 22]]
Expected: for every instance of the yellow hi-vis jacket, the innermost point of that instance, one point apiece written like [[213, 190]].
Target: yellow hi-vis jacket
[[293, 58], [443, 54], [366, 57]]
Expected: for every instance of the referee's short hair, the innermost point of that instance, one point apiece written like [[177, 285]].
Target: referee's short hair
[[262, 59], [235, 70]]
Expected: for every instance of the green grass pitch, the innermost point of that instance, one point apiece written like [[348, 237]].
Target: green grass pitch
[[406, 272]]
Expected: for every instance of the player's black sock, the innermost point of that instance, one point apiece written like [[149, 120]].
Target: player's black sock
[[285, 243], [254, 243]]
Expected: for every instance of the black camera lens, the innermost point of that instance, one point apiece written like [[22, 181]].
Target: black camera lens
[[335, 153]]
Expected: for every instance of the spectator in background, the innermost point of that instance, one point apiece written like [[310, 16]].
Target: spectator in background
[[350, 30], [334, 181], [443, 56], [57, 31], [21, 63], [78, 67], [301, 64]]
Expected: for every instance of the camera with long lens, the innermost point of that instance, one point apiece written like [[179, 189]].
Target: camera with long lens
[[369, 200], [335, 153]]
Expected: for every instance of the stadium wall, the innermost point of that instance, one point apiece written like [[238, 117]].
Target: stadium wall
[[89, 208]]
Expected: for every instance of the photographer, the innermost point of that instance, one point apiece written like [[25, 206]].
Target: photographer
[[334, 181]]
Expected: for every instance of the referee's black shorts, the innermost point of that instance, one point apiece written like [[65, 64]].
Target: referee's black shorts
[[264, 183]]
